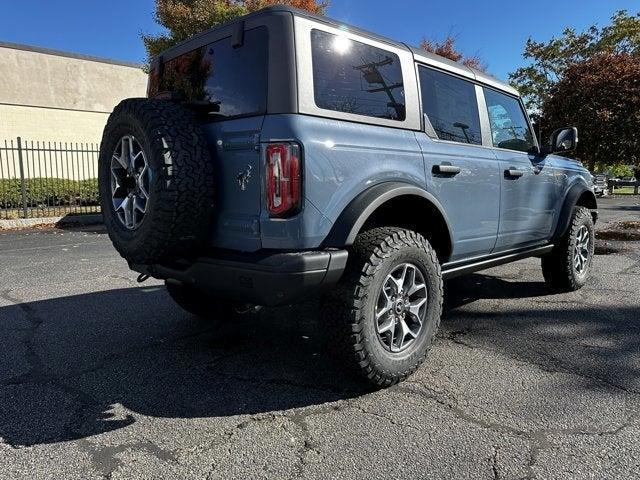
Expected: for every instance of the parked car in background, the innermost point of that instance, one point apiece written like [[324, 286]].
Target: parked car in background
[[617, 183], [600, 185], [285, 155]]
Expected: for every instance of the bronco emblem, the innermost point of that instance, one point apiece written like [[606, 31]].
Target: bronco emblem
[[244, 177]]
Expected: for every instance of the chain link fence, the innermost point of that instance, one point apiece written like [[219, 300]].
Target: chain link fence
[[43, 179]]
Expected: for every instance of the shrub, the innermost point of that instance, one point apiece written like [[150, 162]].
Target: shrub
[[48, 192]]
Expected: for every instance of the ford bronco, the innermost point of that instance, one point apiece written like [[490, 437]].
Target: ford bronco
[[286, 155]]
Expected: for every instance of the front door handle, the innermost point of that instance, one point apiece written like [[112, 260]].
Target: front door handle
[[513, 172], [445, 169]]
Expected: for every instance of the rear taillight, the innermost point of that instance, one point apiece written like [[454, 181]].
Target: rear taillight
[[284, 183]]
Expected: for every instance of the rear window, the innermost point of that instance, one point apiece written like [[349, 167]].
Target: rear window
[[235, 79], [354, 77]]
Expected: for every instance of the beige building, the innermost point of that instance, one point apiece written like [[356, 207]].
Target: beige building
[[46, 95]]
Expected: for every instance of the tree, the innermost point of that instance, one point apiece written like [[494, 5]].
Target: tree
[[550, 60], [184, 18], [447, 48], [618, 171], [601, 96]]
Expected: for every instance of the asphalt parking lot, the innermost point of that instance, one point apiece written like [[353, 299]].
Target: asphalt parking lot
[[103, 378]]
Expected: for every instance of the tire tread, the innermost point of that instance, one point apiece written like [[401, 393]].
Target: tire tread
[[343, 306], [557, 266], [182, 209]]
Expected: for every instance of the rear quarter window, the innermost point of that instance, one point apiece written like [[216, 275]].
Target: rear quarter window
[[233, 78], [353, 77]]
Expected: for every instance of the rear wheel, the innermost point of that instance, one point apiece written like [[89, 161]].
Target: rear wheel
[[202, 305], [386, 309], [568, 266]]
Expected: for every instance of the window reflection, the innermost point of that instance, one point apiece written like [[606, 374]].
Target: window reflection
[[353, 77], [186, 75], [234, 80], [451, 106], [509, 126]]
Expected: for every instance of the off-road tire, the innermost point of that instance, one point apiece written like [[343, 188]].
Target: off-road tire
[[350, 309], [558, 267], [181, 189], [201, 304]]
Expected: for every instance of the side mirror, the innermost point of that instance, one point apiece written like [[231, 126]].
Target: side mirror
[[562, 140]]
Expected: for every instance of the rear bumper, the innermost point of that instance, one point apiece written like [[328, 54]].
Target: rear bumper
[[261, 278]]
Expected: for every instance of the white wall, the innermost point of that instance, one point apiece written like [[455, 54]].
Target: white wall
[[49, 96]]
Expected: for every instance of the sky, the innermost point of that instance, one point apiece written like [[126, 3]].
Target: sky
[[496, 30]]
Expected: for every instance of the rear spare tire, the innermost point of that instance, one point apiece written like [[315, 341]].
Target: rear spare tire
[[156, 181]]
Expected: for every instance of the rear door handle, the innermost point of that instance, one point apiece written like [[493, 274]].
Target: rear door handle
[[513, 173], [445, 169]]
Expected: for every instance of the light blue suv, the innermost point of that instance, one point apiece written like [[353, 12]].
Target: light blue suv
[[286, 155]]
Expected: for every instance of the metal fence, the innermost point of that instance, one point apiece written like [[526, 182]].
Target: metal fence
[[40, 179]]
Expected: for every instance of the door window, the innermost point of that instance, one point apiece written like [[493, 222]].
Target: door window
[[509, 126], [451, 105]]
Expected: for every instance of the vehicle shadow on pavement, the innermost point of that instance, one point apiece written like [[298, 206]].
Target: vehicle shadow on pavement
[[571, 333], [626, 208], [77, 366], [88, 228], [469, 288]]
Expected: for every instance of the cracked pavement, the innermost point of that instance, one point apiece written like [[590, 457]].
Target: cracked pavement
[[101, 377]]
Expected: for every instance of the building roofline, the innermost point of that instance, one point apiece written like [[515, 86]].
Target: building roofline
[[60, 53]]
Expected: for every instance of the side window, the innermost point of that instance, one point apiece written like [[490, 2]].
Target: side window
[[509, 126], [354, 77], [451, 106]]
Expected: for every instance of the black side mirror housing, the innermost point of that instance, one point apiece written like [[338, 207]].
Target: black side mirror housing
[[562, 140]]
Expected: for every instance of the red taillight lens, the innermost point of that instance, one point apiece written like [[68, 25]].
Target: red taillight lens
[[284, 185]]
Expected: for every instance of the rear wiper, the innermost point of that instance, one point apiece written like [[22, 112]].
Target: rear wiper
[[203, 106], [198, 106]]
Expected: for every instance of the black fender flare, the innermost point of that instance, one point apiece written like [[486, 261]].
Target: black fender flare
[[570, 200], [354, 216]]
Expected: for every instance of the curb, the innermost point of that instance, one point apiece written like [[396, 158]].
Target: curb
[[66, 221]]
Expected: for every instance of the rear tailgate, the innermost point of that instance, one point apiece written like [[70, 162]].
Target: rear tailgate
[[227, 80], [238, 182]]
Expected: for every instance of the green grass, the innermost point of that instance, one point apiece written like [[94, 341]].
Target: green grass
[[623, 191]]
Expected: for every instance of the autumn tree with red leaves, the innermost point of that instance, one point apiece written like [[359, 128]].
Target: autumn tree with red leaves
[[590, 79], [600, 96], [547, 61], [447, 49], [184, 18]]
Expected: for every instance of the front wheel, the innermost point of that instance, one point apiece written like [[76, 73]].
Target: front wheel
[[386, 309], [568, 266]]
